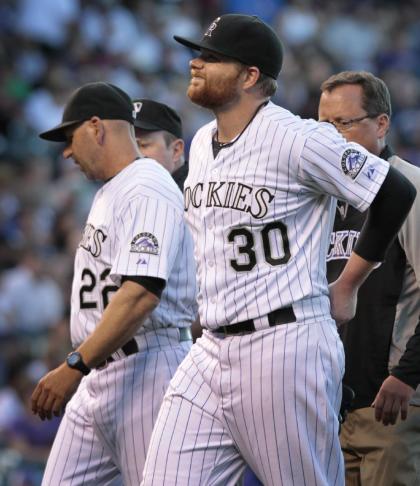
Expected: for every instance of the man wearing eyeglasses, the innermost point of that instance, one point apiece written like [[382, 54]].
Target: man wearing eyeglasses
[[382, 342]]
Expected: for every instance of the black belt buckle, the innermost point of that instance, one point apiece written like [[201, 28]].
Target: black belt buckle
[[185, 334]]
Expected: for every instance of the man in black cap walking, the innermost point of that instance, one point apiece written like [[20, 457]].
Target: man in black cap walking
[[158, 129], [133, 299], [263, 384]]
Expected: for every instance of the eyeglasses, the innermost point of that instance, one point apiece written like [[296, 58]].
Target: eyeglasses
[[344, 125]]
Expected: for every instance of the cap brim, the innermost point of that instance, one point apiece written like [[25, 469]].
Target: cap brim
[[197, 46], [58, 134]]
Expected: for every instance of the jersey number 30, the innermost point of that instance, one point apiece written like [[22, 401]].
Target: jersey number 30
[[248, 248]]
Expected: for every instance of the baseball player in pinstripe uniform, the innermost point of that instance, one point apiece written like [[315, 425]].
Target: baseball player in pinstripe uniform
[[133, 299], [382, 341], [263, 384]]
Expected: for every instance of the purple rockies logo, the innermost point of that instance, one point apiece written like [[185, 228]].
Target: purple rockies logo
[[352, 162], [145, 243]]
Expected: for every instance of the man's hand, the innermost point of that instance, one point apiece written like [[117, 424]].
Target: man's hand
[[54, 390], [392, 398], [343, 300]]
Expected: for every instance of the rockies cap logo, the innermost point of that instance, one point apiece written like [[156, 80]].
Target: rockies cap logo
[[213, 25]]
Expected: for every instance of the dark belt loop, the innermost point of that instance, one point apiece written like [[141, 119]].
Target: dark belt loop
[[281, 316], [130, 347]]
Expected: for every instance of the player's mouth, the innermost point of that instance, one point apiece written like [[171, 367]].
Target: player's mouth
[[194, 74], [196, 79]]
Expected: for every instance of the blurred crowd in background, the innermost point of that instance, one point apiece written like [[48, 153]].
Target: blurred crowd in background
[[50, 47]]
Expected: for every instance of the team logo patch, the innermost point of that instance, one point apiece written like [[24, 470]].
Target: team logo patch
[[352, 162], [212, 26], [145, 243]]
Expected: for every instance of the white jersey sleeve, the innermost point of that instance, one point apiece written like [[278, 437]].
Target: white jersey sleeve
[[135, 228], [347, 171], [149, 239]]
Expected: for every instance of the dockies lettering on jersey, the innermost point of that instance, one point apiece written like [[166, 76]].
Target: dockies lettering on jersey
[[92, 240], [229, 195]]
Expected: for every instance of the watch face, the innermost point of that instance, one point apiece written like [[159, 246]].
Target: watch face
[[73, 359]]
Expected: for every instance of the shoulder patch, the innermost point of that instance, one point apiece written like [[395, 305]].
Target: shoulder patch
[[145, 243], [352, 162]]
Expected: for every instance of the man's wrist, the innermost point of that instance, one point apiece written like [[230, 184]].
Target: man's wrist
[[411, 380], [75, 361]]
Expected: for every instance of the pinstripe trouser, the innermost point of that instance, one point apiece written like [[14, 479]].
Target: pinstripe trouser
[[105, 432], [269, 399]]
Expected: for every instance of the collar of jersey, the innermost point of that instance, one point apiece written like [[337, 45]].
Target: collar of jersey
[[110, 179], [221, 145]]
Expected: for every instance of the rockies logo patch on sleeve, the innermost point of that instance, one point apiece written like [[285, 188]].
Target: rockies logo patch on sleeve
[[145, 243], [352, 162]]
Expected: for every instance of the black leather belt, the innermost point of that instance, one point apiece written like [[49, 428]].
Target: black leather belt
[[285, 315], [131, 346]]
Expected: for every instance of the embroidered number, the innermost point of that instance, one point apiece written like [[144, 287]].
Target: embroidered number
[[282, 228], [248, 248], [88, 287]]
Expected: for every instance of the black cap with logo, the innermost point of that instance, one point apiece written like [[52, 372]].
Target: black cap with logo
[[244, 38], [154, 116], [99, 99]]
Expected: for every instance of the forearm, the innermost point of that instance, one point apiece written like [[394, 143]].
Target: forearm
[[355, 272], [343, 292], [128, 309]]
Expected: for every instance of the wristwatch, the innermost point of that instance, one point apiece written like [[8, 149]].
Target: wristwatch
[[74, 360]]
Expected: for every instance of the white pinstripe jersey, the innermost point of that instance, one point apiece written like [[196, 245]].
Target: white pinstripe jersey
[[261, 213], [135, 227]]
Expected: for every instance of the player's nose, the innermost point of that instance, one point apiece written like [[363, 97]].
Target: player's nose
[[196, 63]]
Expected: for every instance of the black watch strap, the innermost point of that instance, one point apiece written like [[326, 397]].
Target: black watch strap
[[75, 361]]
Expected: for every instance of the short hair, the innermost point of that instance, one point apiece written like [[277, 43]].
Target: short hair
[[376, 98], [266, 85], [169, 137]]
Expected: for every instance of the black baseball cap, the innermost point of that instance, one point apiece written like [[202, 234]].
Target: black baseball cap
[[245, 38], [92, 99], [153, 116]]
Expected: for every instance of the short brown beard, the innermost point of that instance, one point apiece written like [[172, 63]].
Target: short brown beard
[[219, 94]]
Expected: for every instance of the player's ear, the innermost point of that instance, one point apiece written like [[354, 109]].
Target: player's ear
[[98, 129], [383, 125], [177, 149], [251, 77]]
